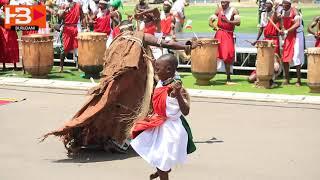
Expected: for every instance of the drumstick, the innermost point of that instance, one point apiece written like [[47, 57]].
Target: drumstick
[[195, 35], [248, 41], [274, 25]]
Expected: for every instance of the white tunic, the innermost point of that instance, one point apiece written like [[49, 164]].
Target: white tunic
[[165, 146], [298, 56]]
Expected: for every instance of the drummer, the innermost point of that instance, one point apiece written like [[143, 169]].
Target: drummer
[[293, 47], [71, 15], [102, 18], [9, 48], [228, 17], [269, 26], [167, 20], [315, 24], [90, 9]]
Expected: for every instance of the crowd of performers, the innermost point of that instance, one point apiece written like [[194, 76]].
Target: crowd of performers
[[281, 22], [72, 16]]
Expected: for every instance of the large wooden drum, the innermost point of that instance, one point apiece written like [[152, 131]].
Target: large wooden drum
[[37, 54], [91, 48], [314, 69], [265, 62], [204, 61]]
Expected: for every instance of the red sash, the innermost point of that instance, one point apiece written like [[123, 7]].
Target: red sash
[[158, 117]]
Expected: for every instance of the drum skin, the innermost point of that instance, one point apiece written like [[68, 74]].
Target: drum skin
[[37, 54], [91, 49], [265, 62], [204, 60], [314, 69]]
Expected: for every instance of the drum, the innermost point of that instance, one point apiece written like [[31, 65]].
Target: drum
[[37, 54], [204, 61], [314, 69], [91, 48], [265, 63]]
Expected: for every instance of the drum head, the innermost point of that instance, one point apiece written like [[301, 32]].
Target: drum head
[[92, 35], [313, 50], [36, 37], [265, 43]]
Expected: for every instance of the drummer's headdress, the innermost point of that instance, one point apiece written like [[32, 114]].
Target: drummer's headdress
[[288, 1], [103, 2]]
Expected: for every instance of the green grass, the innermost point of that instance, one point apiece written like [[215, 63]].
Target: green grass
[[217, 83], [249, 17], [69, 74]]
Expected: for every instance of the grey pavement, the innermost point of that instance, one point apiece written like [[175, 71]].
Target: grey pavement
[[84, 86], [236, 140]]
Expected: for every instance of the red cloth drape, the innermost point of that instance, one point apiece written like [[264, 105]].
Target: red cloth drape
[[9, 46], [225, 36], [318, 43], [288, 46], [166, 25], [150, 28], [158, 117], [103, 24], [70, 30], [271, 33]]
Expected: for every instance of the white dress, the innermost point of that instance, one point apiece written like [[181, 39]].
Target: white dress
[[165, 146]]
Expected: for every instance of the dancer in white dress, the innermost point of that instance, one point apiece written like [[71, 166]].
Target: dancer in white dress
[[161, 139]]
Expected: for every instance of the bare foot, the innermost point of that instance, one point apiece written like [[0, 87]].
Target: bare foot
[[230, 83], [285, 83], [61, 70], [298, 84], [154, 176]]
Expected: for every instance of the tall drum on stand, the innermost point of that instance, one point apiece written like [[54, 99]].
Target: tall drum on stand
[[204, 61], [91, 48], [314, 69], [265, 63], [37, 54]]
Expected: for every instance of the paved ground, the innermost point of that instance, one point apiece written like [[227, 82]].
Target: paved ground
[[254, 140]]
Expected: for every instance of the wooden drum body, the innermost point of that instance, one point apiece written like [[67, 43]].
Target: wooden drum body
[[37, 54], [204, 61], [314, 69], [265, 62], [91, 49]]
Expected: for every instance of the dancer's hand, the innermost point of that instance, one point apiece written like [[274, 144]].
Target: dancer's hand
[[176, 89], [195, 43]]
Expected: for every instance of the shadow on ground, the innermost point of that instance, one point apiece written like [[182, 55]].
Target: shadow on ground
[[93, 156], [210, 141]]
